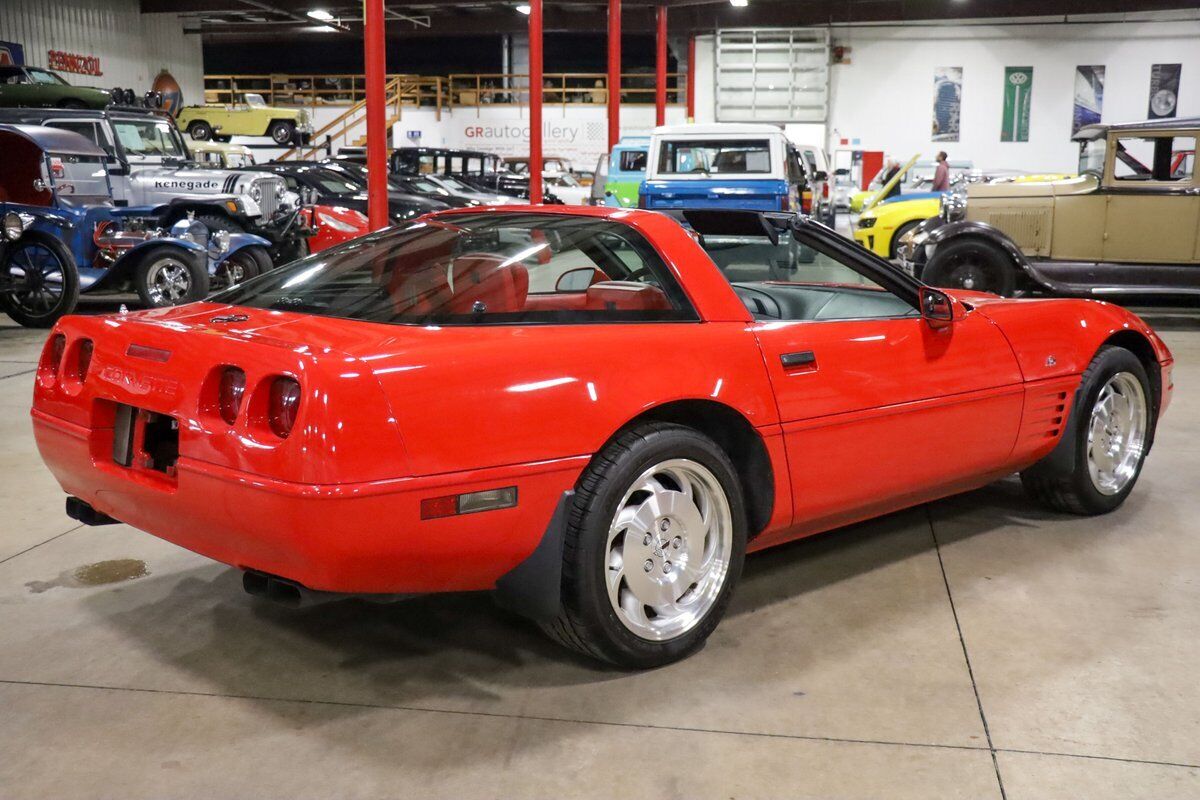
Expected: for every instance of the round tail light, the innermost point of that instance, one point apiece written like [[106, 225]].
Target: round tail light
[[85, 358], [284, 403], [229, 400]]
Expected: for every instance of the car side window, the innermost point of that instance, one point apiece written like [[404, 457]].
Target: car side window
[[1154, 159], [12, 76]]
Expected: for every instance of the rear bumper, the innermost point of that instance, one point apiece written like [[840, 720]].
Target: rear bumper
[[348, 538]]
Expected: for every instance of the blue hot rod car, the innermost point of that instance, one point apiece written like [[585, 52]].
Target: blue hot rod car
[[61, 234]]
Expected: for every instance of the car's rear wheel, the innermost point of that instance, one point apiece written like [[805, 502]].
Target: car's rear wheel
[[200, 130], [281, 132], [654, 545], [1112, 432], [247, 263], [169, 276], [973, 264], [45, 281]]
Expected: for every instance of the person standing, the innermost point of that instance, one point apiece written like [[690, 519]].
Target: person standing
[[893, 166], [941, 174]]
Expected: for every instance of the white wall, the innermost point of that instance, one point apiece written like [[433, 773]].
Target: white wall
[[885, 96], [132, 47]]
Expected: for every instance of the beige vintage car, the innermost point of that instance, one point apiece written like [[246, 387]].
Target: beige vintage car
[[220, 156], [1129, 224]]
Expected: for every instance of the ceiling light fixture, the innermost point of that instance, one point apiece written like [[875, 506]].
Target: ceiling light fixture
[[523, 8], [321, 14], [739, 3]]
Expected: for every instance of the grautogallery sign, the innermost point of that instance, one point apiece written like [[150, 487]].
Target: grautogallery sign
[[580, 141]]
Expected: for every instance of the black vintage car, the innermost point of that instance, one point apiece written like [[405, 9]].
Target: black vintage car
[[486, 172], [330, 187]]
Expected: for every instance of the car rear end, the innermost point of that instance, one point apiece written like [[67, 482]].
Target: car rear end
[[254, 438], [743, 167]]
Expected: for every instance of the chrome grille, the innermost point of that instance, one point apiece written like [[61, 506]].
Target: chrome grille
[[269, 201]]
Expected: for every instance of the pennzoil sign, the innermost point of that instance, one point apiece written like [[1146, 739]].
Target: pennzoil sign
[[73, 62]]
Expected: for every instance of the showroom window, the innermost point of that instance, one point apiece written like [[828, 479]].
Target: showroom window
[[772, 75], [480, 269], [1158, 159]]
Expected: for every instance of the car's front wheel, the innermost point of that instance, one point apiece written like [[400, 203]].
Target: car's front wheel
[[169, 276], [974, 264], [281, 132], [43, 280], [1111, 434], [247, 263], [200, 130], [654, 546]]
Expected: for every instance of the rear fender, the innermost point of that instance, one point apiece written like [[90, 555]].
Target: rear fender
[[952, 231], [120, 271]]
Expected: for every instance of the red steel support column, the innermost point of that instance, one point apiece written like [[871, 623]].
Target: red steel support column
[[535, 101], [691, 80], [614, 72], [375, 57], [660, 63]]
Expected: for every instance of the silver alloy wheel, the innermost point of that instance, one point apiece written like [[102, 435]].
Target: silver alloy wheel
[[668, 549], [1117, 433], [232, 271], [168, 281]]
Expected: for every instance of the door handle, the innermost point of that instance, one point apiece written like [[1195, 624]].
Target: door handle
[[805, 359]]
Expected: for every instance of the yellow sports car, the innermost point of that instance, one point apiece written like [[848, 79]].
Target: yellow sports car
[[252, 118], [880, 228]]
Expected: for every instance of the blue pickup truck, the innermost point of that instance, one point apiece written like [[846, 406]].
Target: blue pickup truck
[[741, 166]]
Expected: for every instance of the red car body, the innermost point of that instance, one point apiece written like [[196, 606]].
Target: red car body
[[333, 225], [893, 412]]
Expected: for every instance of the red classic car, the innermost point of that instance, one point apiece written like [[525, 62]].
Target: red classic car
[[333, 225], [593, 412]]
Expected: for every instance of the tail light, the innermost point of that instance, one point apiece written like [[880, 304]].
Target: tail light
[[84, 359], [229, 397], [283, 405], [825, 190]]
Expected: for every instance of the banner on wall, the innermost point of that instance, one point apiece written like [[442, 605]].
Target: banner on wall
[[947, 103], [1089, 97], [11, 54], [1164, 90], [1018, 86]]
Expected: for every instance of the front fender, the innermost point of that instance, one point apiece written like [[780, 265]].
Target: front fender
[[991, 233], [239, 241]]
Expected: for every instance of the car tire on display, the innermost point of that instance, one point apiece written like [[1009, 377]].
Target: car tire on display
[[200, 131], [169, 276], [281, 132], [216, 223], [654, 545], [247, 263], [974, 264], [51, 281], [1114, 422], [903, 229]]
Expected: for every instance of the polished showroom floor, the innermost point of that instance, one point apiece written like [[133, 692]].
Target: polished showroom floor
[[979, 647]]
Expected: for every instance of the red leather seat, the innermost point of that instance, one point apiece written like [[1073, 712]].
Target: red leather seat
[[501, 288], [625, 296]]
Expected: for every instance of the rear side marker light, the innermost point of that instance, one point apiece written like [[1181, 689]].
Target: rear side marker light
[[469, 503], [229, 396], [282, 407], [84, 358]]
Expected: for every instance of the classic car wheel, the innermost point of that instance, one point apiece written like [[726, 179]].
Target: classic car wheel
[[200, 130], [247, 263], [903, 229], [654, 545], [168, 276], [46, 281], [1112, 432], [972, 264], [281, 132]]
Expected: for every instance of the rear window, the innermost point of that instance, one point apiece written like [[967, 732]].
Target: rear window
[[479, 269], [715, 157]]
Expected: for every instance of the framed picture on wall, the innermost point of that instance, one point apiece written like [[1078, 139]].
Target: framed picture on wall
[[1018, 88], [947, 103], [1164, 90], [1089, 97]]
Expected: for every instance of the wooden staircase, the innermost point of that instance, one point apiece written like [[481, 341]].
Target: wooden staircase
[[355, 116]]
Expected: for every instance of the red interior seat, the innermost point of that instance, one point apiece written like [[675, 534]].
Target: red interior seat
[[626, 296]]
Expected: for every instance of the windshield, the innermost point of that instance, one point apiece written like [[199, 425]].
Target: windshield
[[149, 138], [1092, 154], [456, 184], [331, 182], [45, 76], [478, 269], [738, 157]]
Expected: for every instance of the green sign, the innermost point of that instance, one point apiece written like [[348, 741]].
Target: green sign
[[1018, 84]]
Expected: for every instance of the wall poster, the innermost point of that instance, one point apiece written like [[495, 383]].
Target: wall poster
[[1018, 86], [947, 103], [1089, 97], [1164, 90], [11, 54]]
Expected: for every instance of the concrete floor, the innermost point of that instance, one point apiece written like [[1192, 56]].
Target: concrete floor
[[978, 648]]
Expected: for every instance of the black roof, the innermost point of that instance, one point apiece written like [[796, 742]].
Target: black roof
[[1089, 132], [55, 140]]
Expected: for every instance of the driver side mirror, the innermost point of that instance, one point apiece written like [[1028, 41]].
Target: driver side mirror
[[936, 307]]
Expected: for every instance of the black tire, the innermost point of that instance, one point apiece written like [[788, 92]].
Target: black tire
[[972, 263], [587, 622], [167, 275], [247, 263], [281, 131], [903, 229], [40, 259], [200, 130], [216, 222], [1075, 491]]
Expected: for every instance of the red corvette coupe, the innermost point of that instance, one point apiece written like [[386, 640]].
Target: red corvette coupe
[[593, 412]]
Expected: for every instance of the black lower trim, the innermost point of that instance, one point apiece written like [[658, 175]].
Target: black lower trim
[[83, 512], [533, 588]]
